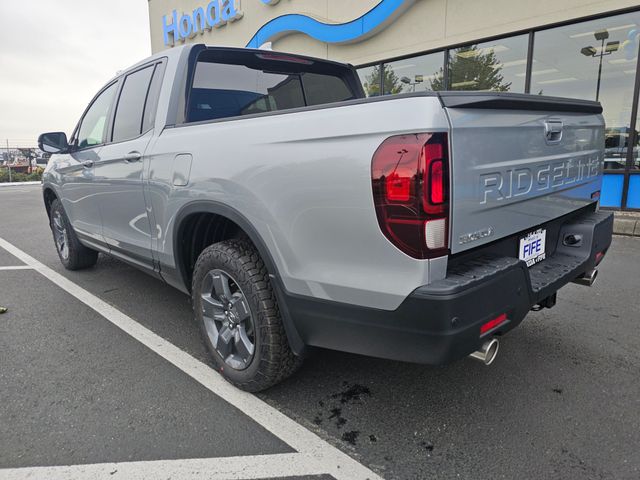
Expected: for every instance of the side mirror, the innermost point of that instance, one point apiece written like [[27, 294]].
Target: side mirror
[[53, 142]]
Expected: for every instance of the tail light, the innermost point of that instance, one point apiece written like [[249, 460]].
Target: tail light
[[410, 178]]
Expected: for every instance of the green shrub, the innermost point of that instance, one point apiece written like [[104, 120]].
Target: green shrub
[[35, 176]]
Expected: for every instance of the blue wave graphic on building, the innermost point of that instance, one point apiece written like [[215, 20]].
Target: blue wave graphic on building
[[356, 30]]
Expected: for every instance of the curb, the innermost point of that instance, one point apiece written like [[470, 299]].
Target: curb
[[626, 224], [16, 184]]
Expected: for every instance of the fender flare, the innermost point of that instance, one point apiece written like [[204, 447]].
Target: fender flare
[[47, 186], [209, 206]]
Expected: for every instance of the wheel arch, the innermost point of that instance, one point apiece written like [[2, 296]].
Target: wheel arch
[[226, 213], [48, 195]]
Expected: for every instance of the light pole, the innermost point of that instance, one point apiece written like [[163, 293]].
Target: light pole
[[601, 36], [8, 160], [417, 79]]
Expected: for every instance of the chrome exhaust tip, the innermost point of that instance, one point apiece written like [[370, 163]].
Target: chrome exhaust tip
[[588, 278], [488, 352]]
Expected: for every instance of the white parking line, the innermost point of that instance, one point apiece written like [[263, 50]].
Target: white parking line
[[315, 455], [229, 468], [17, 267]]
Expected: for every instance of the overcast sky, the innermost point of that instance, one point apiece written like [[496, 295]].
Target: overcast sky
[[56, 54]]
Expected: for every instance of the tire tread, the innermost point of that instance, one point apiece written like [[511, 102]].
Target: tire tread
[[277, 361], [80, 257]]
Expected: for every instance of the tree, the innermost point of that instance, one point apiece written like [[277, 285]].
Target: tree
[[470, 69], [29, 154], [391, 81]]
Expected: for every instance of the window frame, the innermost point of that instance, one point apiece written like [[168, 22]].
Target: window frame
[[155, 65]]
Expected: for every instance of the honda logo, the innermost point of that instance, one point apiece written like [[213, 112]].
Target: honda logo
[[553, 131]]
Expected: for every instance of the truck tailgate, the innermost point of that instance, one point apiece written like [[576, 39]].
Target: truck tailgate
[[519, 161]]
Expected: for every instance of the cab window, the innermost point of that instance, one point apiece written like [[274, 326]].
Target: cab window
[[128, 116], [94, 123]]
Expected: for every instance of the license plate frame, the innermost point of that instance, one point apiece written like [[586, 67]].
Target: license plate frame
[[532, 247]]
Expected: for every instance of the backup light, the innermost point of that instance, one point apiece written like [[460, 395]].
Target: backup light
[[435, 232]]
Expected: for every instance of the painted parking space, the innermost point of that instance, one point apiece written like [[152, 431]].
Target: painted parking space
[[143, 406], [9, 262]]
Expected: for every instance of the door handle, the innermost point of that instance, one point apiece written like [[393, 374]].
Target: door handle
[[88, 164], [132, 157]]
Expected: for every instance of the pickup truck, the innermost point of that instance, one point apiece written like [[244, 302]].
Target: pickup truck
[[297, 213]]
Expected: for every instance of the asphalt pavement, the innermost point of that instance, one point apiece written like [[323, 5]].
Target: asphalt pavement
[[561, 401]]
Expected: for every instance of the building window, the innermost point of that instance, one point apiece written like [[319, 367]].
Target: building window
[[370, 79], [416, 74], [633, 194], [499, 66], [594, 60], [635, 141]]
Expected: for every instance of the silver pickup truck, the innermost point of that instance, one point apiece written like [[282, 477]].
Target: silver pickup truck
[[297, 213]]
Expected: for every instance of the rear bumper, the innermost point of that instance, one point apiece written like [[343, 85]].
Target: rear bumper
[[440, 322]]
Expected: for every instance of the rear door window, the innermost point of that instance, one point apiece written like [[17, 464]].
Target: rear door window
[[151, 106], [128, 118]]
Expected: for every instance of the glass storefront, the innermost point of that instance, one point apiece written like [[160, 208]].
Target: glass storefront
[[498, 66], [417, 74], [595, 60]]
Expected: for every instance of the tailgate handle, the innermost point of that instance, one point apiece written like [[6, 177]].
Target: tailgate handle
[[553, 131]]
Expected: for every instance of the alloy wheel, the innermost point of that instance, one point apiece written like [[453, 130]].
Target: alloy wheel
[[60, 235], [228, 319]]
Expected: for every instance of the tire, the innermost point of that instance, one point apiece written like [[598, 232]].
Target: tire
[[72, 254], [244, 315]]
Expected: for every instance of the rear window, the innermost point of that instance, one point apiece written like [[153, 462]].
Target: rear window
[[319, 89], [233, 84]]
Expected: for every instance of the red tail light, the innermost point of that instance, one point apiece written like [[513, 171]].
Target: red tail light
[[410, 181]]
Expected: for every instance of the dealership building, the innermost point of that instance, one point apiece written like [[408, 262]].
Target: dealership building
[[572, 48]]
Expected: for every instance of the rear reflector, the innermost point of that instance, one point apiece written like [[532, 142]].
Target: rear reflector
[[599, 257], [491, 324]]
